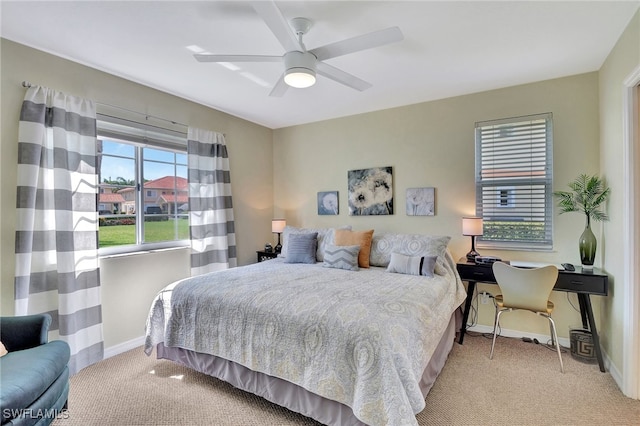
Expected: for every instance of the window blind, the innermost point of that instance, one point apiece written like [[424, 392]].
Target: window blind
[[514, 181]]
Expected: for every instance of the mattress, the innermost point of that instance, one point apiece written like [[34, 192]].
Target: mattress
[[362, 339]]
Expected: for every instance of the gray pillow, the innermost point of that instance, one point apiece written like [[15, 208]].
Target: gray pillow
[[428, 265], [341, 257], [302, 248]]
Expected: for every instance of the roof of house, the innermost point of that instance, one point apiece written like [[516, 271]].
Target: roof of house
[[166, 182], [111, 198]]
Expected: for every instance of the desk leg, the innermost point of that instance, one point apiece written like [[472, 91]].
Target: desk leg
[[583, 311], [471, 288], [586, 302]]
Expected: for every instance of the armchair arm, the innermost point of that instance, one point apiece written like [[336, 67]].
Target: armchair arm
[[24, 332]]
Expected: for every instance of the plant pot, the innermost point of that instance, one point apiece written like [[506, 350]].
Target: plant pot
[[587, 245]]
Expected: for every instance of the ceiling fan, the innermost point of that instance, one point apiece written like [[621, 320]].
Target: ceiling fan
[[301, 65]]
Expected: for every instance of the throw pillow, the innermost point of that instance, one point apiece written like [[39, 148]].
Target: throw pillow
[[412, 265], [325, 237], [342, 257], [302, 248], [428, 266], [3, 350], [351, 238], [403, 264]]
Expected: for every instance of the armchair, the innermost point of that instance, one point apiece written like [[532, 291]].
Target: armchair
[[34, 373]]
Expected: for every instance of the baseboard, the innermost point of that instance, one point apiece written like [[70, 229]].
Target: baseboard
[[123, 347], [505, 332]]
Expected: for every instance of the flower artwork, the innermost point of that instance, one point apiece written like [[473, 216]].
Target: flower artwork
[[370, 191], [328, 203], [421, 202]]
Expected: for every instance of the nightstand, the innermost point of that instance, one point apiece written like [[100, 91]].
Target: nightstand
[[265, 255]]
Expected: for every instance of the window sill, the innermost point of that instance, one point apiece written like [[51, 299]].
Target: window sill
[[115, 252]]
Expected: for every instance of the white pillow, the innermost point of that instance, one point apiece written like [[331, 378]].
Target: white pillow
[[402, 264], [412, 265]]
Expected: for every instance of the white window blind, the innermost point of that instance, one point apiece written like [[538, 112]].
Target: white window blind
[[514, 182]]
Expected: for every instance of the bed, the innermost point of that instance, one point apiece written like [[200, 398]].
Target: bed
[[341, 346]]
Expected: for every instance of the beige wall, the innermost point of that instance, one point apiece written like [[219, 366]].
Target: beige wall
[[432, 144], [622, 61], [129, 283]]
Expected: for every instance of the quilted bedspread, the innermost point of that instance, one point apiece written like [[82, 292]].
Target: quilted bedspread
[[362, 338]]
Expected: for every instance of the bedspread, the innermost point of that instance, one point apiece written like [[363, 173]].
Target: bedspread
[[362, 338]]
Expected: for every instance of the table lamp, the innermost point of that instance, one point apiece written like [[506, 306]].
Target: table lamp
[[472, 226], [277, 227]]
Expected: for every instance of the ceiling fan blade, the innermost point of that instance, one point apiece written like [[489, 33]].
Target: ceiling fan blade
[[341, 77], [355, 44], [203, 57], [280, 88], [278, 25]]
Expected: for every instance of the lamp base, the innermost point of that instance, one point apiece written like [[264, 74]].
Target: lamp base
[[471, 256], [277, 248]]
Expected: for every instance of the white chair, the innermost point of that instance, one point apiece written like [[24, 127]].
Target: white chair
[[527, 289]]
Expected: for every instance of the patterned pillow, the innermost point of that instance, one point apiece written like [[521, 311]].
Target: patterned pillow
[[408, 244], [363, 238], [342, 257], [326, 236], [302, 248]]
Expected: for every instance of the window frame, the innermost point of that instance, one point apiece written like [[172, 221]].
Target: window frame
[[140, 136], [496, 156]]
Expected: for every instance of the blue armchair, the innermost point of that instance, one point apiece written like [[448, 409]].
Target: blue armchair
[[34, 375]]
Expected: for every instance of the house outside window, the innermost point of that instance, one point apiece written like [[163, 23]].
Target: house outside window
[[514, 182], [135, 164]]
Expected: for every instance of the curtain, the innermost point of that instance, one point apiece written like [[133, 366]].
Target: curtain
[[57, 268], [211, 223]]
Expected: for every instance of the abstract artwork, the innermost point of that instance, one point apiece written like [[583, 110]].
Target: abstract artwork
[[421, 202], [328, 203], [370, 191]]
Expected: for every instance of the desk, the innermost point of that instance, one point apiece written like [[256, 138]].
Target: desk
[[583, 283]]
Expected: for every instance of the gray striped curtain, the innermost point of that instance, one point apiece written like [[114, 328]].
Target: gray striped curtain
[[211, 224], [57, 232]]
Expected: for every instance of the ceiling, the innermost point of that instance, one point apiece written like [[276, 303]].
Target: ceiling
[[450, 48]]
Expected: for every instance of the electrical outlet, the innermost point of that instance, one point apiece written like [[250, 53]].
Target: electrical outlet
[[485, 298]]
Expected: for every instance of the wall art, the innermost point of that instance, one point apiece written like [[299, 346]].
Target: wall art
[[421, 202], [370, 191], [328, 203]]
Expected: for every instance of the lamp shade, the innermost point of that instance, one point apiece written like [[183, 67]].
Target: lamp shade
[[472, 226], [277, 225]]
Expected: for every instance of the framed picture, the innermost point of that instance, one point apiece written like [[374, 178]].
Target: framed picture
[[370, 191], [421, 202], [328, 203]]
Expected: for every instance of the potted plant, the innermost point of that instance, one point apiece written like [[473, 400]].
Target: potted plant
[[587, 195]]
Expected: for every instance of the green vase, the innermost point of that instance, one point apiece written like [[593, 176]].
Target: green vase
[[587, 246]]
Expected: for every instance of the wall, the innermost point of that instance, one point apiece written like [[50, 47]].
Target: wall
[[129, 283], [432, 144], [623, 59]]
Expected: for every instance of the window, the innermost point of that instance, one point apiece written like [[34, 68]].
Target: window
[[514, 182], [137, 168]]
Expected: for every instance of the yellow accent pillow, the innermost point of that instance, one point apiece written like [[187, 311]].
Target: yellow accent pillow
[[345, 237]]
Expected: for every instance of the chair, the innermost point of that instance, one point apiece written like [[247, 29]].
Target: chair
[[527, 289]]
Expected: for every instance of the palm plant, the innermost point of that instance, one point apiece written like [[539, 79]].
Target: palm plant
[[587, 195]]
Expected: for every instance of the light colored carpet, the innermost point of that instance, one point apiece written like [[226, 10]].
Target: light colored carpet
[[522, 385]]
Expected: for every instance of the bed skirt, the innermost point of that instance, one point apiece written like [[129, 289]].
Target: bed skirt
[[289, 395]]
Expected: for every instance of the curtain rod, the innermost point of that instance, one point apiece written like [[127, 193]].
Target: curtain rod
[[28, 84]]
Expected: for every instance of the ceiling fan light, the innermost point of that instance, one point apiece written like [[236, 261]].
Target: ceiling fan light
[[300, 78]]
